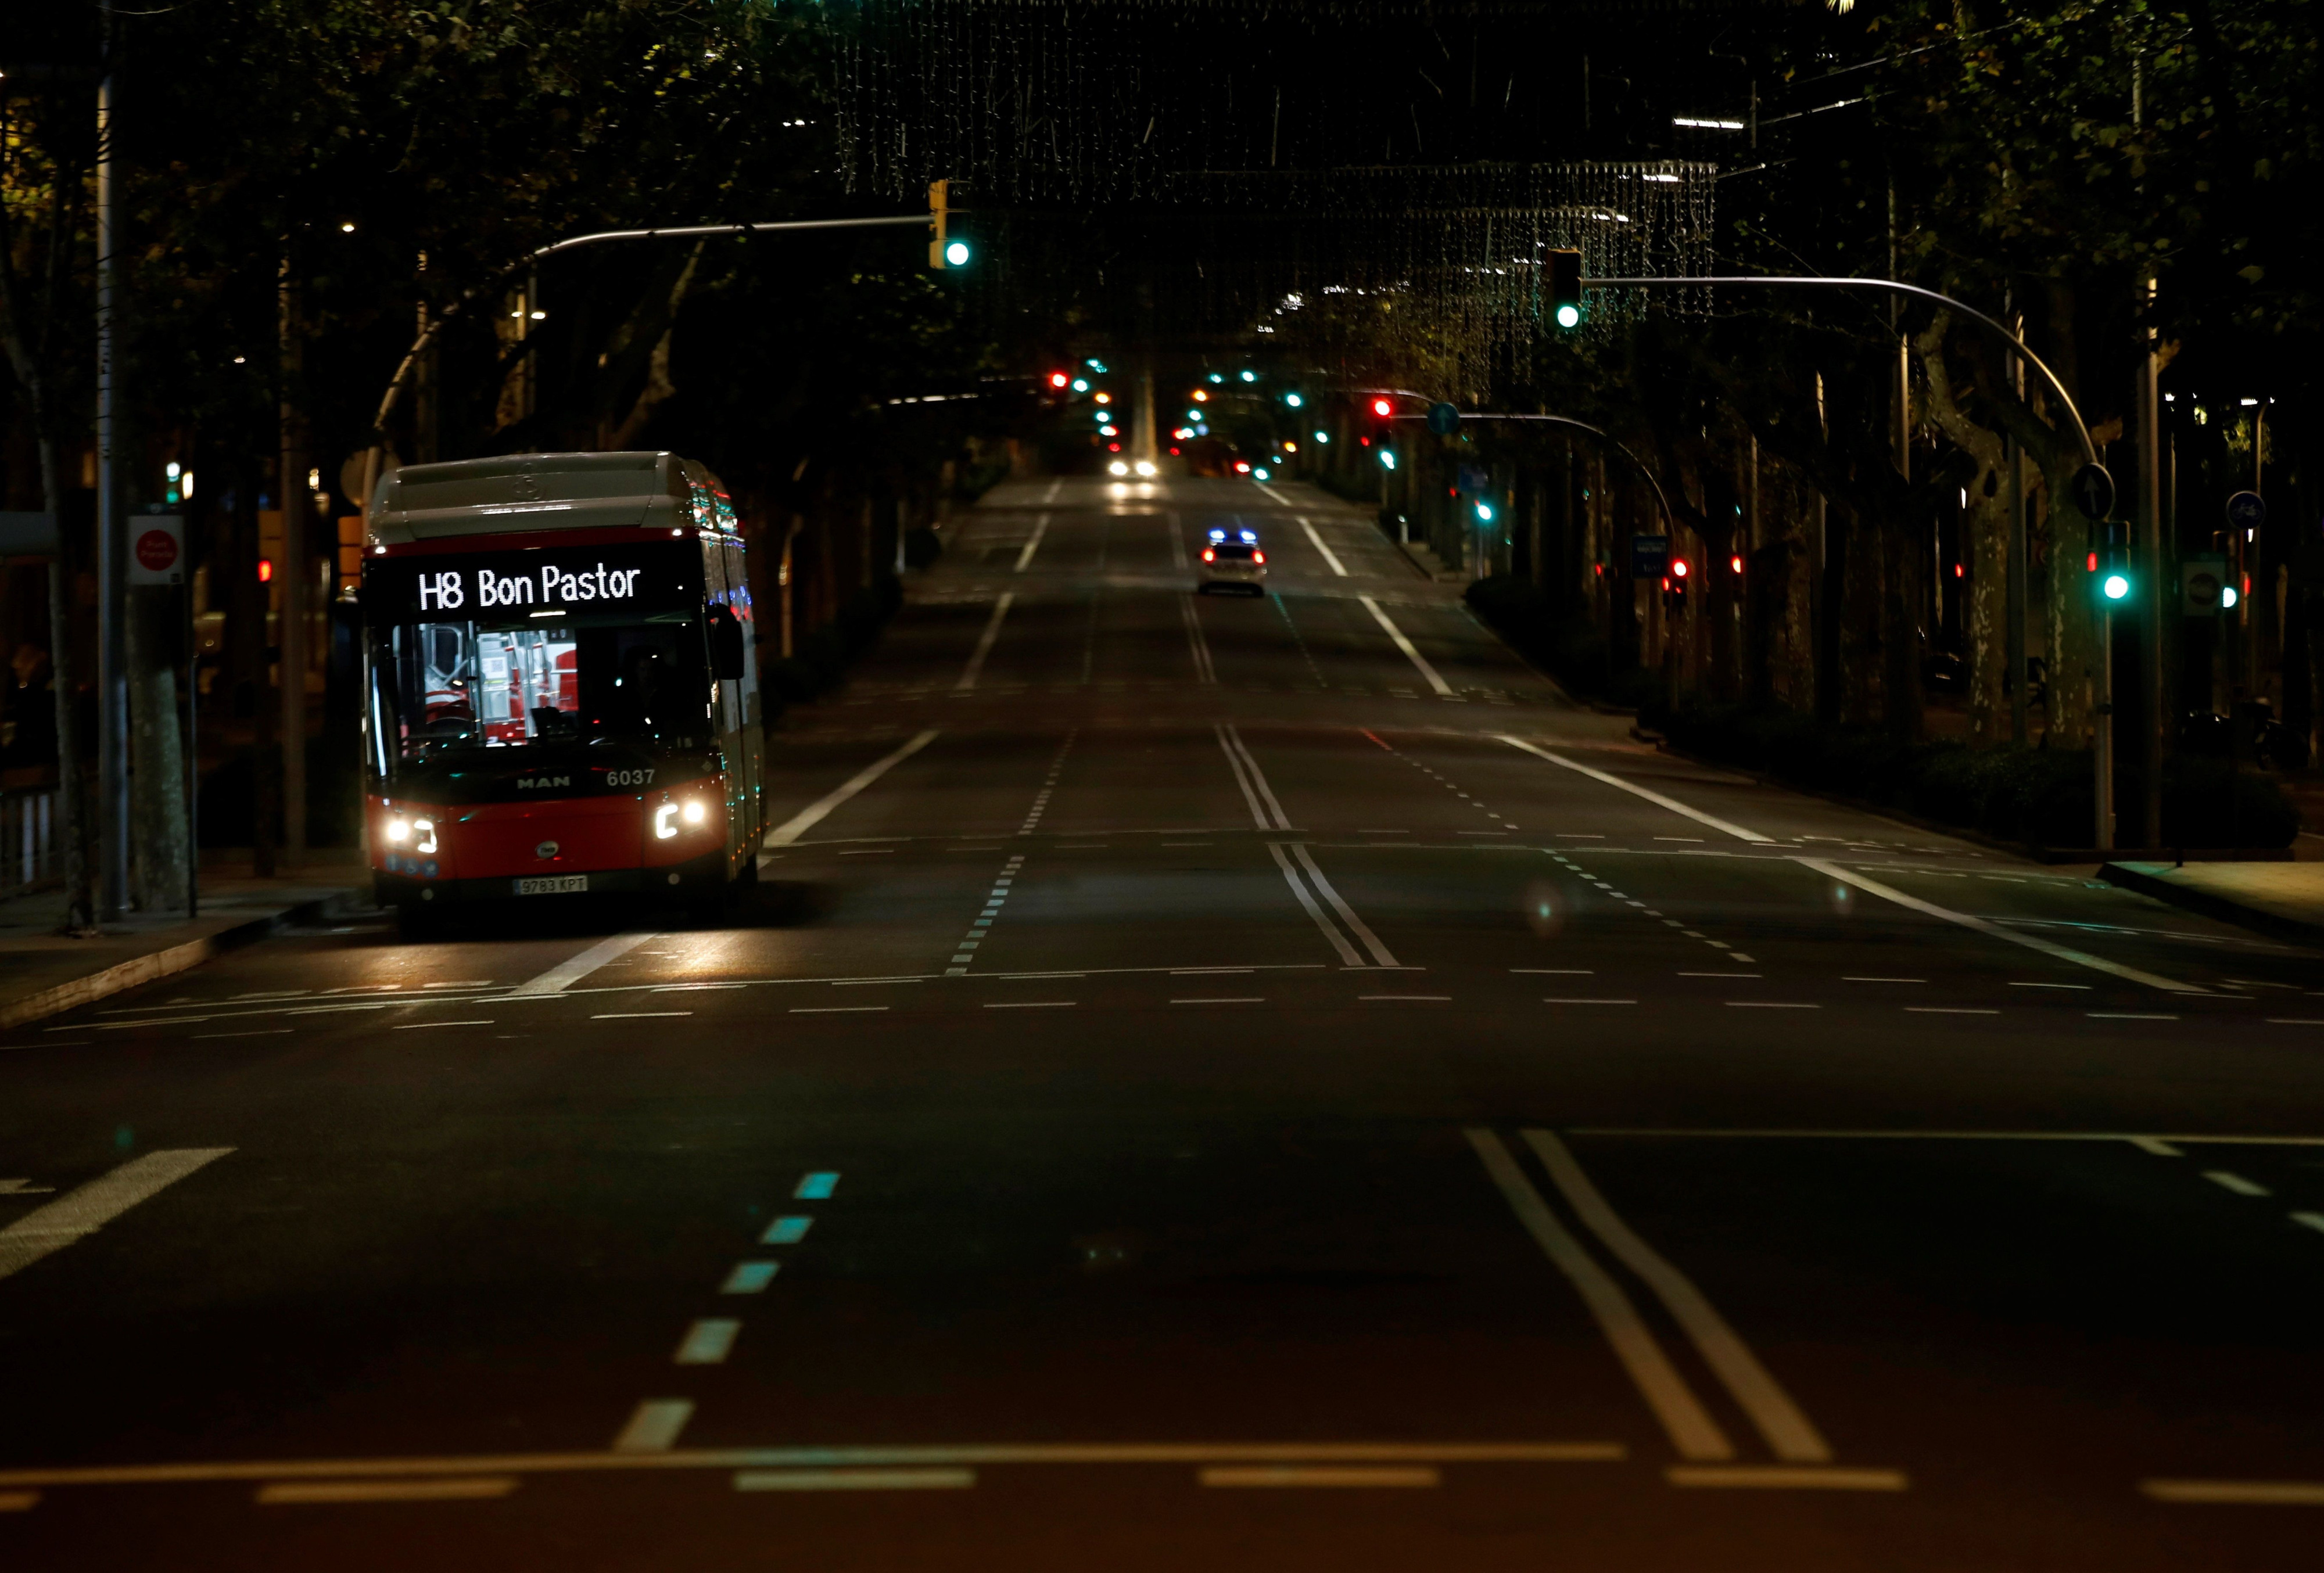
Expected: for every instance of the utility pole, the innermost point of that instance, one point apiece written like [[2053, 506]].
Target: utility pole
[[112, 565], [2150, 550], [293, 574], [2019, 569]]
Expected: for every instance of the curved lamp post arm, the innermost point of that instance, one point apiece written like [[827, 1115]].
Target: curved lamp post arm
[[2081, 427], [1670, 520], [395, 384]]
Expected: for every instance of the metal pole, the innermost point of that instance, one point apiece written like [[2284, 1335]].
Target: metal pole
[[2102, 735], [2150, 551], [2019, 568], [112, 601], [193, 755], [292, 645]]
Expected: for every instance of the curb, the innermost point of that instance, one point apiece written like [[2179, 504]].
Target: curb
[[123, 975], [2206, 904]]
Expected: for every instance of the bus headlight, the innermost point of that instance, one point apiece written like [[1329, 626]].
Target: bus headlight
[[696, 812], [665, 822], [398, 831], [427, 831]]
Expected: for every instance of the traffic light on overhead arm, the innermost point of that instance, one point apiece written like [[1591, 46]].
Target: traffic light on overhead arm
[[946, 250], [1564, 288]]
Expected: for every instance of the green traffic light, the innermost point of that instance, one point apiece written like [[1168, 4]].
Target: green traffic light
[[2117, 586], [956, 254], [1569, 315], [1294, 400]]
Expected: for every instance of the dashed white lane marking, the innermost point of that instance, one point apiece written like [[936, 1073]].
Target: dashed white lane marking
[[1632, 787], [1993, 930], [2081, 987], [787, 832], [412, 1025], [1029, 1003], [1329, 556], [308, 1493], [1204, 672], [636, 1015], [835, 1009], [749, 1278], [1032, 543], [2295, 1020], [1949, 1010], [1356, 925], [787, 1231], [89, 1207], [1771, 1004], [1691, 1430], [1265, 811], [1776, 1477], [970, 673], [1411, 654], [1055, 487], [2314, 1221], [1845, 979], [708, 1342], [1284, 1476], [260, 1032], [654, 1425], [567, 973], [1567, 1001], [1431, 999], [1555, 972], [854, 1479], [1348, 953], [2238, 1492], [2228, 1180], [2127, 1016], [1788, 1431], [1225, 999]]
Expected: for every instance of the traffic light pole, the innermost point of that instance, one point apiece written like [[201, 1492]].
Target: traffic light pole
[[428, 336], [2102, 729]]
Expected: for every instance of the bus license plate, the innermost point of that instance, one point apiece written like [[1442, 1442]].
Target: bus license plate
[[554, 884]]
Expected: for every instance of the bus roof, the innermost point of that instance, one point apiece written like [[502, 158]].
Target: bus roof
[[529, 493]]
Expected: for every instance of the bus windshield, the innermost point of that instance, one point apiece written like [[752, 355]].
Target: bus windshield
[[448, 687]]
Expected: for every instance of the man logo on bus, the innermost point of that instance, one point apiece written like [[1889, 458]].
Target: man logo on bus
[[530, 783]]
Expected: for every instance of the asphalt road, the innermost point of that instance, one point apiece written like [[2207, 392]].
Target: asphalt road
[[1243, 1083]]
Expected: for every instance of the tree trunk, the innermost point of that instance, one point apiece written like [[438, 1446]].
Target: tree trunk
[[157, 762]]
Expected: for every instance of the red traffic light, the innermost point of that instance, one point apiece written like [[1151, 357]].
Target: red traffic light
[[1736, 562], [1678, 567], [1383, 408], [1059, 378]]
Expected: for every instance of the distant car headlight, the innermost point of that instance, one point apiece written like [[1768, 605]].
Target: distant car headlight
[[1118, 468], [1146, 466]]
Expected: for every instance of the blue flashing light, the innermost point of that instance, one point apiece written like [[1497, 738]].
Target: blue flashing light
[[1218, 534], [1251, 537]]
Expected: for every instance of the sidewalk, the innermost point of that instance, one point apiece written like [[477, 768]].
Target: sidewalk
[[42, 972], [2284, 901]]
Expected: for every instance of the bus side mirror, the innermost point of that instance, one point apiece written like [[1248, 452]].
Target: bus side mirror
[[725, 644]]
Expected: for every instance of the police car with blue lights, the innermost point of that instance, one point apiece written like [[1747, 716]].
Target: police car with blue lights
[[1233, 560]]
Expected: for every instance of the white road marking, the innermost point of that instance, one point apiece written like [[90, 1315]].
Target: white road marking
[[2314, 1221], [749, 1278], [1311, 1474], [1356, 925], [2137, 1139], [1993, 930], [1559, 1000], [968, 674], [1328, 556], [1787, 1431], [708, 1342], [1055, 487], [400, 1026], [636, 1015], [1770, 1004], [2127, 1016], [567, 973], [1775, 1478], [1348, 953], [1204, 672], [1176, 525], [1406, 645], [1032, 542], [2082, 988], [788, 832], [2295, 1021], [853, 1479], [1949, 1010], [834, 1009], [1030, 1004], [1672, 804], [653, 1426], [1692, 1430], [474, 1488], [602, 1459], [1433, 999], [89, 1207], [2240, 1493], [1556, 971], [2228, 1180], [1256, 792], [1225, 999], [1845, 979]]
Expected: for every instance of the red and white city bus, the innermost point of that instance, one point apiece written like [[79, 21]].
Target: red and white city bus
[[561, 683]]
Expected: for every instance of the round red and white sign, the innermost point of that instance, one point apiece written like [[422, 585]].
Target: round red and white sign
[[157, 551]]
